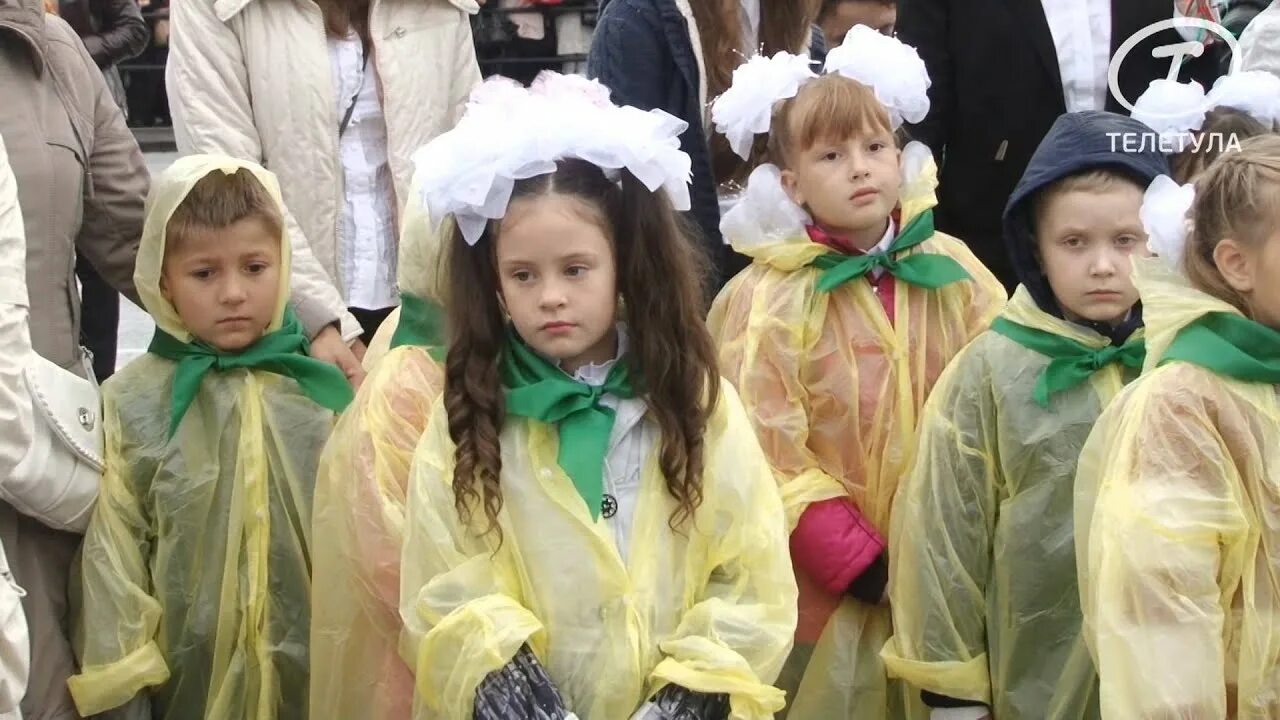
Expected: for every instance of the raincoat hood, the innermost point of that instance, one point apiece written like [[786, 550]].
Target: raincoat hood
[[1171, 304], [423, 261], [1076, 143], [168, 190]]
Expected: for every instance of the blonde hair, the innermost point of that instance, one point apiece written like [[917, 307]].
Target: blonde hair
[[1236, 197], [832, 107], [1219, 123], [1092, 180], [219, 200]]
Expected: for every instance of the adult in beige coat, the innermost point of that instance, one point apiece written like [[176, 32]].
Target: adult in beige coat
[[81, 184], [253, 79]]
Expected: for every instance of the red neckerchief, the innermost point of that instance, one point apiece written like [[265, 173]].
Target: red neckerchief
[[885, 285]]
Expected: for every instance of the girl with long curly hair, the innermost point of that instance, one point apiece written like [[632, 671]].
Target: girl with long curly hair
[[592, 525]]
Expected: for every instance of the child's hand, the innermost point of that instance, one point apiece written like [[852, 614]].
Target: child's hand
[[329, 347]]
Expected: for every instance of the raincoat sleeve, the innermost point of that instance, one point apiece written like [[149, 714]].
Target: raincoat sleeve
[[986, 296], [781, 323], [119, 616], [941, 530], [209, 97], [735, 637], [463, 617], [1166, 520], [358, 521]]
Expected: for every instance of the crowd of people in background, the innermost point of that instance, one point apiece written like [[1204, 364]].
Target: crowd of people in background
[[753, 376]]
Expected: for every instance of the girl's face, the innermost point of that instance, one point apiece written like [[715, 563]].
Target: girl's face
[[558, 279], [850, 186]]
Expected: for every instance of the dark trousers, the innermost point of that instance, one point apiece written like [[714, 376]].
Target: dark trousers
[[99, 318], [370, 321]]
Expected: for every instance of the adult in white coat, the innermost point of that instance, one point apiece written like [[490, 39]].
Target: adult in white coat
[[334, 97], [15, 428]]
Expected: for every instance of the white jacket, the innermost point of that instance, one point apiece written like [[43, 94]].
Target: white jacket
[[16, 417], [1260, 42], [252, 79]]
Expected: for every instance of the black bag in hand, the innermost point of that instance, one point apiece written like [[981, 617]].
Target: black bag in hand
[[521, 690]]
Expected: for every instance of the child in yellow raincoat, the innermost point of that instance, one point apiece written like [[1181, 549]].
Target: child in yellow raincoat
[[987, 619], [1178, 488], [356, 670], [195, 586], [591, 520], [834, 337]]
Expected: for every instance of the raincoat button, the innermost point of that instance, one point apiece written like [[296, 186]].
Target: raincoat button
[[545, 473]]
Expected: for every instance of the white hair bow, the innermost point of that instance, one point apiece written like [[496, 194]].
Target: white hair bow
[[1254, 92], [1166, 216], [891, 68], [746, 108], [888, 66], [510, 133]]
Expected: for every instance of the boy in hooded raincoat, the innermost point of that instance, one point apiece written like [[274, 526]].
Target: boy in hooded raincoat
[[985, 612], [1178, 487], [834, 356], [356, 669], [196, 570]]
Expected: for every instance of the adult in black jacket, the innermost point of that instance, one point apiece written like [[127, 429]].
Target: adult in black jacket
[[997, 88], [679, 55]]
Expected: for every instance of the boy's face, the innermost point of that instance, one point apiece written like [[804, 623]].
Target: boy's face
[[1086, 240], [875, 15], [850, 186], [225, 283]]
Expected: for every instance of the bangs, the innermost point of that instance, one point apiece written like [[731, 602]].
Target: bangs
[[831, 108]]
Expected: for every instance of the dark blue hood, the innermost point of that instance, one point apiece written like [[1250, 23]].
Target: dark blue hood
[[1076, 143]]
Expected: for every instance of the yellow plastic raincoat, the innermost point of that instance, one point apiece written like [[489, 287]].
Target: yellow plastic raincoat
[[711, 608], [834, 391], [356, 669], [196, 569], [1178, 532], [983, 567], [420, 270]]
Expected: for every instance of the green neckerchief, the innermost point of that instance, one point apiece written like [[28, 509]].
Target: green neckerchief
[[539, 390], [926, 270], [283, 352], [1230, 345], [421, 325], [1071, 362]]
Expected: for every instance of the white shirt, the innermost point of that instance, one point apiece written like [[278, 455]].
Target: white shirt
[[749, 15], [630, 444], [1082, 37], [368, 235], [890, 234]]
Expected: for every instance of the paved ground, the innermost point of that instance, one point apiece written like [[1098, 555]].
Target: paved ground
[[135, 325]]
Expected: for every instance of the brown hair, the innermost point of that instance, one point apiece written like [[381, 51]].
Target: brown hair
[[1219, 123], [1092, 180], [831, 107], [673, 362], [343, 16], [219, 200], [1237, 197], [784, 25]]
